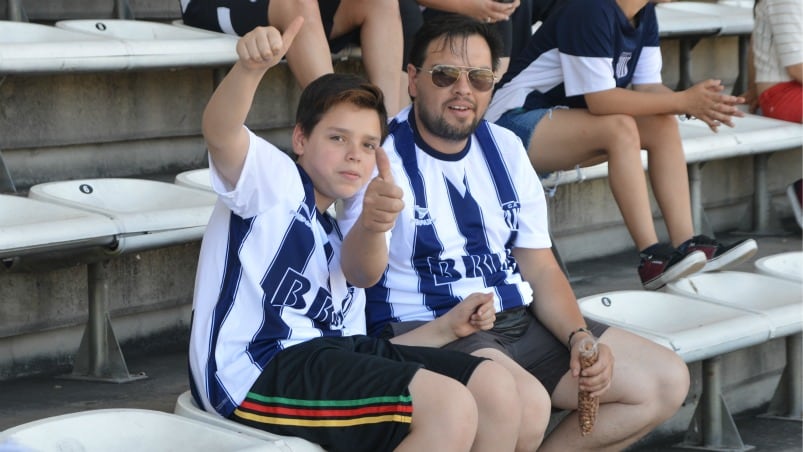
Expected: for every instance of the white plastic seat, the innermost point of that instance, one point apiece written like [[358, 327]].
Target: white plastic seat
[[784, 265], [695, 329], [780, 302], [733, 20], [153, 44], [777, 300], [198, 179], [28, 226], [186, 407], [123, 430], [673, 23], [147, 213], [34, 48]]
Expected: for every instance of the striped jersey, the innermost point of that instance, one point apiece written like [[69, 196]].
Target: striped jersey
[[268, 278], [585, 46], [777, 39], [463, 213]]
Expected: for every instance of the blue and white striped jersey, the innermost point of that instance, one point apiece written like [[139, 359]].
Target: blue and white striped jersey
[[268, 277], [584, 47], [462, 216]]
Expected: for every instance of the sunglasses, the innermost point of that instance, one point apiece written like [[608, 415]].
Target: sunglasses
[[444, 75]]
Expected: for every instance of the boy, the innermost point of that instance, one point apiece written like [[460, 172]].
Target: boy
[[277, 337]]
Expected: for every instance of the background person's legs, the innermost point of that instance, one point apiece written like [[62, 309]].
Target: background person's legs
[[381, 41], [668, 174], [309, 56], [570, 137]]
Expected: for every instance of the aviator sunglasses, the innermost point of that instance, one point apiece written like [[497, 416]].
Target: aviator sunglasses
[[444, 75]]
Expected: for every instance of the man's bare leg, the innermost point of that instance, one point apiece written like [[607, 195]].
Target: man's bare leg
[[649, 384], [309, 56]]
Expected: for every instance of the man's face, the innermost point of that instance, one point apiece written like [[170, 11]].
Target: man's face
[[339, 153], [447, 116]]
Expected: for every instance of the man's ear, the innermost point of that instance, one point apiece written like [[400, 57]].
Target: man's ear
[[412, 75], [299, 140]]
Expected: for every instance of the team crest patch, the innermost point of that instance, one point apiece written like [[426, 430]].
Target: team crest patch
[[303, 215], [511, 210], [621, 65], [422, 217]]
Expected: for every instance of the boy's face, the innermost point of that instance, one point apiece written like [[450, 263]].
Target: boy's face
[[339, 153]]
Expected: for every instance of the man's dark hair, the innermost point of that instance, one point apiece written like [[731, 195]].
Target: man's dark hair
[[453, 27], [333, 89]]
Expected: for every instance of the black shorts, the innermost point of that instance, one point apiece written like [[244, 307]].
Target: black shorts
[[345, 393], [518, 334], [240, 16]]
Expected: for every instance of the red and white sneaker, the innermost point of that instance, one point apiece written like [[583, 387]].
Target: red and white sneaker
[[664, 264], [720, 256]]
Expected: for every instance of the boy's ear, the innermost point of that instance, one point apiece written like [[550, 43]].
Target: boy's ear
[[299, 140]]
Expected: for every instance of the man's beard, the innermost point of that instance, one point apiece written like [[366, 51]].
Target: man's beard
[[439, 127]]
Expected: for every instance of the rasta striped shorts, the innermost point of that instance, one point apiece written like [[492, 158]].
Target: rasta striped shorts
[[345, 393]]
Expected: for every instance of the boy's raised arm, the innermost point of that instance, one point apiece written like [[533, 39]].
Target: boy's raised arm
[[225, 114]]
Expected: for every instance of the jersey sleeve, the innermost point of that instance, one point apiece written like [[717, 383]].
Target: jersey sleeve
[[585, 45], [648, 66], [268, 173]]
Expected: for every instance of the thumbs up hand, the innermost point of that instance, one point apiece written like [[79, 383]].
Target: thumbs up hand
[[383, 198]]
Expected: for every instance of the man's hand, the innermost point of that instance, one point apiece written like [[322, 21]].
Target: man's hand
[[383, 199], [263, 47], [706, 102], [595, 379]]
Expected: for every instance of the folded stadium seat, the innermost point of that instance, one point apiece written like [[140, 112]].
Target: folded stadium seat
[[29, 227], [198, 178], [153, 44], [696, 330], [779, 301], [784, 265], [146, 215], [34, 48], [132, 430], [186, 407]]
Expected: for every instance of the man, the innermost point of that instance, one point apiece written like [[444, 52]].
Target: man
[[474, 220]]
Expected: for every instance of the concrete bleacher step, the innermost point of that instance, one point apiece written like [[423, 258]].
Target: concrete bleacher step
[[186, 407], [129, 430], [783, 265]]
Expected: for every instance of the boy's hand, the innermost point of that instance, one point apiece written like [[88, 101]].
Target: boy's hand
[[383, 198], [476, 312], [264, 47]]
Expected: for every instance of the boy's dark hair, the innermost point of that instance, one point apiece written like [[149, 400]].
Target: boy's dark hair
[[453, 27], [332, 89]]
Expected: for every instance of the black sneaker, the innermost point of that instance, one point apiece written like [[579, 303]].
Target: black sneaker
[[661, 264], [720, 256]]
